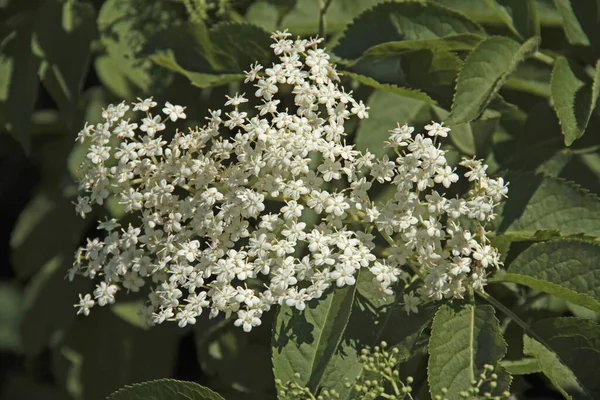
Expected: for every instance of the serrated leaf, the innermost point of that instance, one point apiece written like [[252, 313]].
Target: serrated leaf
[[301, 17], [571, 346], [574, 97], [65, 66], [402, 91], [303, 342], [538, 203], [519, 15], [484, 72], [570, 25], [165, 389], [199, 79], [375, 318], [563, 268], [462, 341], [401, 21], [237, 45], [460, 42], [523, 366], [387, 110]]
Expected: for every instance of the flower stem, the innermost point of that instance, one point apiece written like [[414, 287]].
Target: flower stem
[[322, 23]]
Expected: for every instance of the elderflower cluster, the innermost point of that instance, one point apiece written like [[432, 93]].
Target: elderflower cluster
[[221, 216]]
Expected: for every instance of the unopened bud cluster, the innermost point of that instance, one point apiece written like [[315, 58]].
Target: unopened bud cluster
[[219, 214]]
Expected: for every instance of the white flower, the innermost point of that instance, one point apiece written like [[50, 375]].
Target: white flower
[[174, 112], [436, 129], [411, 303], [144, 105], [218, 217], [85, 304]]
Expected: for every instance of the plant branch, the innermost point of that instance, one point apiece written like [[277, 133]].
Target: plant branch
[[322, 23]]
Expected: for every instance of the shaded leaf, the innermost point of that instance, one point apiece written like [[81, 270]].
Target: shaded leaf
[[120, 353], [125, 26], [199, 79], [18, 82], [574, 99], [519, 15], [36, 227], [303, 342], [524, 366], [65, 66], [237, 45], [402, 91], [588, 15], [570, 347], [462, 341], [483, 74], [571, 26], [11, 304], [460, 42], [165, 389], [375, 318], [567, 269], [537, 203], [42, 318], [401, 21]]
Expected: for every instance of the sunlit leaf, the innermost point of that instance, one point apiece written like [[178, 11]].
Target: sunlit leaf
[[574, 97], [165, 389], [462, 341], [401, 21], [303, 342], [483, 74]]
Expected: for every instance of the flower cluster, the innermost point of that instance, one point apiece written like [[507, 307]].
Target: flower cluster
[[273, 207]]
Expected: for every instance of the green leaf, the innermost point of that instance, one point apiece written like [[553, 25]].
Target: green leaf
[[524, 366], [462, 341], [304, 342], [571, 26], [237, 45], [165, 389], [519, 15], [116, 353], [571, 346], [460, 42], [538, 203], [375, 318], [11, 304], [402, 91], [301, 17], [199, 79], [483, 74], [574, 97], [401, 21], [36, 229], [125, 28], [18, 82], [387, 110], [475, 137], [588, 15], [42, 319], [64, 67], [564, 268]]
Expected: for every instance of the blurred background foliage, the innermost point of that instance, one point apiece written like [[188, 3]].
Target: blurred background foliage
[[62, 61]]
